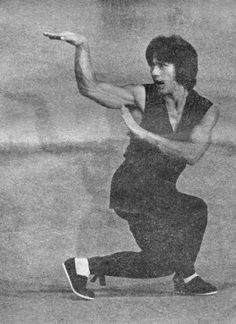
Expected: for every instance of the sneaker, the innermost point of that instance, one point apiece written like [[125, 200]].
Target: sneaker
[[78, 283], [197, 286]]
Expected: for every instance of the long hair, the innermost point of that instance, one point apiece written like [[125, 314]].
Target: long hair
[[174, 49]]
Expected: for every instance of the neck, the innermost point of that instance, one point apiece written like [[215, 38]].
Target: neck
[[177, 97]]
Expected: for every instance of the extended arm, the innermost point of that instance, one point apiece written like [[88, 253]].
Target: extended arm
[[191, 151], [106, 94]]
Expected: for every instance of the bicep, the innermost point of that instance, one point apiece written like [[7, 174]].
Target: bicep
[[112, 96]]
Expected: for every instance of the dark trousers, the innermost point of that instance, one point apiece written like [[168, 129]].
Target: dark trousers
[[169, 240]]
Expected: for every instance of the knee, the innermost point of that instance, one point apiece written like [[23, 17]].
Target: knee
[[203, 207]]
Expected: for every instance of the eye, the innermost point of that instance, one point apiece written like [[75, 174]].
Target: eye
[[163, 64], [152, 66]]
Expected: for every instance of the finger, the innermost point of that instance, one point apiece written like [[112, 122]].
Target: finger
[[48, 34], [53, 36]]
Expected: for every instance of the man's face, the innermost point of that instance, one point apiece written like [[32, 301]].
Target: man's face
[[163, 75]]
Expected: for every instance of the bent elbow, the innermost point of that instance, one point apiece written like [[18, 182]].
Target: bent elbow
[[89, 91], [83, 91], [197, 153], [194, 159], [191, 161]]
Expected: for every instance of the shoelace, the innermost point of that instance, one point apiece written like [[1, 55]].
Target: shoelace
[[102, 280]]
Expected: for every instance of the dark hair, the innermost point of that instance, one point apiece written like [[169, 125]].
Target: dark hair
[[176, 50]]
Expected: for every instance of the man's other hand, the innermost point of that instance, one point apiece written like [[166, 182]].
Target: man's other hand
[[68, 37]]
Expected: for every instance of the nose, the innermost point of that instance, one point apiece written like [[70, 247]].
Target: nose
[[155, 71]]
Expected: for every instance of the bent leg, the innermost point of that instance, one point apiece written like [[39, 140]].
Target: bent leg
[[154, 259], [190, 224], [169, 242]]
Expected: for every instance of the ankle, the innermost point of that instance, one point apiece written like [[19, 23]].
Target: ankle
[[189, 278], [82, 267]]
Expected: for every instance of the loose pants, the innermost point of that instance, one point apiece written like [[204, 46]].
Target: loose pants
[[169, 241]]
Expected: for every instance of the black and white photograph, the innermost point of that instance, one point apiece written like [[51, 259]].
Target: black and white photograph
[[117, 161]]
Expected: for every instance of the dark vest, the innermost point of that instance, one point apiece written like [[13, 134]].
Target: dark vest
[[156, 120]]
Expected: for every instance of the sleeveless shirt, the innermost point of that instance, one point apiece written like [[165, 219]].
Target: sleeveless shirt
[[156, 120]]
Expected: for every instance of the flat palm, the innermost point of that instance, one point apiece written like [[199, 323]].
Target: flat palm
[[66, 36]]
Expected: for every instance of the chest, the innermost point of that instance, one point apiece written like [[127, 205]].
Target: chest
[[170, 123], [174, 115], [163, 120]]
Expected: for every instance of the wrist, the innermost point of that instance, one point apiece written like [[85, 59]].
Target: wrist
[[81, 42]]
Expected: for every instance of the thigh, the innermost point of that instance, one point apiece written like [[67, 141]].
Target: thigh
[[169, 228], [155, 236], [161, 244], [177, 207]]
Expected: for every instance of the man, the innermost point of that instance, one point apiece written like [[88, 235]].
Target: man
[[175, 128]]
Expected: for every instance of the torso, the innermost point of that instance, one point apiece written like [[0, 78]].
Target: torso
[[162, 118], [146, 168], [175, 107]]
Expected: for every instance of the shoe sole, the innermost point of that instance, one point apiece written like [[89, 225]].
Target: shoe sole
[[74, 291], [206, 294]]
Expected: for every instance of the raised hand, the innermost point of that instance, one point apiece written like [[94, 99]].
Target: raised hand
[[68, 37], [137, 130]]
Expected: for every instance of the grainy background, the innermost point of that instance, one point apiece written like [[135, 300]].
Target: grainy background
[[58, 151]]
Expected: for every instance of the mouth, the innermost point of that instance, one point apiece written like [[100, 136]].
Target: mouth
[[160, 85], [159, 82]]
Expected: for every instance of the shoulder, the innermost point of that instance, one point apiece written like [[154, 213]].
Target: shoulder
[[200, 100], [139, 94], [211, 116], [207, 111], [203, 107], [211, 110], [214, 111], [135, 88]]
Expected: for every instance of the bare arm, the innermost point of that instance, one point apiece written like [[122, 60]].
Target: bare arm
[[224, 134], [106, 94], [191, 151]]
